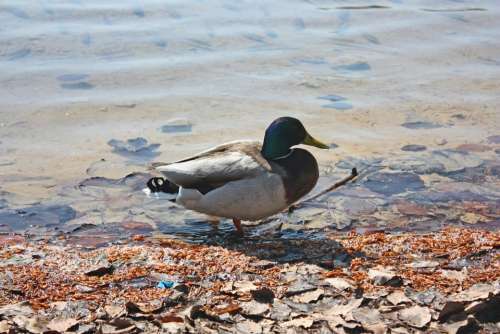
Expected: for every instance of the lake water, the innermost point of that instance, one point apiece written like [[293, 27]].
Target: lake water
[[102, 88]]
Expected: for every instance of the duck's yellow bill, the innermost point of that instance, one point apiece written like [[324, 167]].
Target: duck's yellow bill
[[309, 140]]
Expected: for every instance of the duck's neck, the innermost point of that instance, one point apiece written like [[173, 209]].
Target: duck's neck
[[273, 148]]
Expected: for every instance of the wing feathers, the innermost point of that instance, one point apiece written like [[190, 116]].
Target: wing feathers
[[215, 167]]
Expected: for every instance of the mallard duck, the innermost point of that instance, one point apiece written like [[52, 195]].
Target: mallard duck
[[245, 180]]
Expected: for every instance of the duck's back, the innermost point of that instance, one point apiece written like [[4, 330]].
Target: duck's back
[[213, 168]]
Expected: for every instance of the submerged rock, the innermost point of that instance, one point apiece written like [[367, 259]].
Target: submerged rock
[[358, 66], [177, 125], [135, 148], [421, 125], [413, 148], [394, 183]]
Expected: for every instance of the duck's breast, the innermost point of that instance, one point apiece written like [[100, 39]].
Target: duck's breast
[[300, 173]]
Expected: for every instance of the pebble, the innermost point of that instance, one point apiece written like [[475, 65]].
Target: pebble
[[420, 125], [413, 148]]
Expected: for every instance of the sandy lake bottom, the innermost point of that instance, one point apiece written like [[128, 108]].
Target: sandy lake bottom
[[91, 93]]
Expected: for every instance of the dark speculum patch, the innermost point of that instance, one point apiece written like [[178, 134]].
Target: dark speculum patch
[[160, 184], [394, 183], [421, 125], [77, 85], [413, 148]]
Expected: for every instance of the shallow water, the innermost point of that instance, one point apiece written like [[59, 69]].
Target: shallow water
[[93, 89]]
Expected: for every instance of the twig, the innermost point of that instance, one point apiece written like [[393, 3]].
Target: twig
[[354, 174]]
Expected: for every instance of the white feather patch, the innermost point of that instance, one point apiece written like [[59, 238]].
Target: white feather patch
[[247, 199]]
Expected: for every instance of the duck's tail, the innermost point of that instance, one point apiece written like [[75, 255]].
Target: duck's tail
[[160, 184]]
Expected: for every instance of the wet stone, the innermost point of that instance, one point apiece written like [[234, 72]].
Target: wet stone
[[413, 148], [360, 164], [255, 38], [136, 148], [161, 43], [440, 161], [333, 146], [494, 139], [355, 206], [139, 12], [19, 54], [17, 12], [72, 77], [83, 85], [340, 105], [299, 23], [332, 98], [473, 148], [310, 61], [394, 183], [358, 66], [86, 39], [472, 175], [420, 125], [372, 39], [178, 125], [458, 116], [37, 215]]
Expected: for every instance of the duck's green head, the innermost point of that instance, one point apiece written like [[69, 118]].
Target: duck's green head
[[284, 133]]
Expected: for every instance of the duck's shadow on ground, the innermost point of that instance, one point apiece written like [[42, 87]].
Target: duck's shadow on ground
[[267, 242]]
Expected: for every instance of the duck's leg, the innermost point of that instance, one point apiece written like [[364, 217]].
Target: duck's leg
[[237, 224], [214, 222]]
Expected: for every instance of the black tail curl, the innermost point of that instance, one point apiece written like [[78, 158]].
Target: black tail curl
[[160, 184]]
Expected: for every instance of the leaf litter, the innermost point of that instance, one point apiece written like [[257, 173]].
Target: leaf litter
[[396, 282]]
